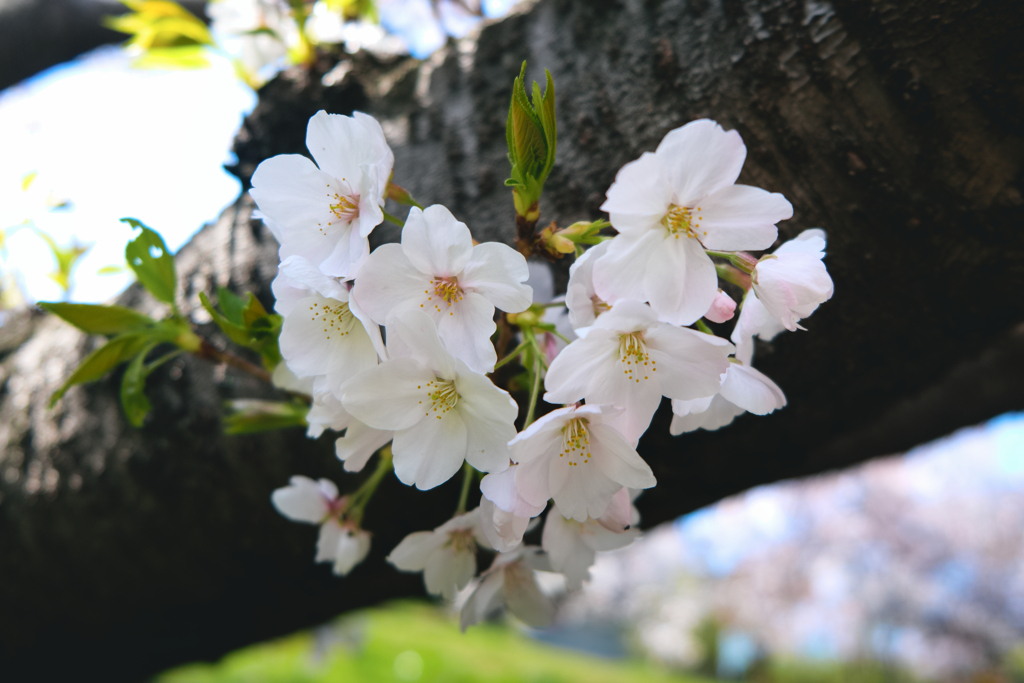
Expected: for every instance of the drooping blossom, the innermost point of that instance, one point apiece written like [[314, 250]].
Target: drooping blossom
[[572, 546], [257, 33], [441, 411], [580, 297], [437, 270], [446, 555], [325, 211], [572, 455], [792, 281], [671, 205], [629, 359], [505, 515], [510, 582], [317, 502]]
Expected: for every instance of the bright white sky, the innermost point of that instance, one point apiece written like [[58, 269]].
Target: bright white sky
[[116, 142]]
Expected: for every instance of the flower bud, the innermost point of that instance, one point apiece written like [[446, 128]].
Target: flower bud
[[723, 308], [531, 136]]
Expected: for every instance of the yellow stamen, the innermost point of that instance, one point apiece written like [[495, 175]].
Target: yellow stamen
[[443, 396], [680, 221], [633, 352], [447, 289], [576, 442]]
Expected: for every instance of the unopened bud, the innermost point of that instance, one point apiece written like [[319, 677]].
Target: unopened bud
[[723, 308]]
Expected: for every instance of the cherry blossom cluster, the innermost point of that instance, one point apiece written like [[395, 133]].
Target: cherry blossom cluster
[[635, 306]]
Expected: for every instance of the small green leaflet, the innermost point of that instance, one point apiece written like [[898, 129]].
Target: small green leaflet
[[247, 416], [148, 257], [247, 323], [105, 320], [133, 399], [103, 360]]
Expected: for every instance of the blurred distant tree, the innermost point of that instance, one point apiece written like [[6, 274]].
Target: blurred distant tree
[[896, 127]]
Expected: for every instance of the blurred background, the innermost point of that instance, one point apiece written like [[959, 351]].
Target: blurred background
[[908, 568]]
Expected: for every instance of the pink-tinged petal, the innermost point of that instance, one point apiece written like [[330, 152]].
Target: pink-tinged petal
[[628, 315], [700, 158], [297, 195], [540, 437], [811, 241], [641, 191], [582, 365], [690, 363], [449, 571], [754, 319], [371, 327], [489, 414], [391, 396], [500, 489], [639, 398], [301, 501], [352, 549], [339, 145], [722, 309], [597, 537], [566, 550], [350, 251], [387, 282], [752, 390], [498, 272], [466, 327], [435, 243], [740, 217], [327, 541], [581, 491], [619, 515], [415, 550], [431, 451], [792, 286], [680, 281], [532, 478], [524, 599], [385, 158], [487, 597], [619, 461], [413, 334], [359, 444], [502, 530], [719, 414], [619, 274], [371, 199]]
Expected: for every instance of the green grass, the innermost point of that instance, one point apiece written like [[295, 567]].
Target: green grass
[[415, 642]]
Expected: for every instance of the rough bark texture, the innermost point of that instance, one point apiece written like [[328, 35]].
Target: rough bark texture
[[896, 126]]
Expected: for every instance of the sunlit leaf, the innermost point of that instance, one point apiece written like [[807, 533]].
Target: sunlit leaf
[[28, 179], [184, 57], [103, 360], [153, 264], [94, 319], [112, 270], [133, 384]]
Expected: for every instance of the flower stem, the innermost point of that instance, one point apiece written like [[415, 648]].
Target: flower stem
[[393, 219], [534, 389], [733, 275], [515, 352], [358, 501], [210, 352], [467, 477], [703, 327]]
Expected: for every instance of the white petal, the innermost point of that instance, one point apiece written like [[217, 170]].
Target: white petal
[[751, 390], [597, 537], [351, 250], [447, 572], [691, 407], [502, 530], [385, 158], [498, 272], [580, 491], [294, 193], [719, 414], [619, 515], [352, 549], [415, 550], [566, 550], [327, 541], [809, 241], [489, 415], [392, 395], [619, 274], [307, 274], [523, 597], [740, 217], [387, 282], [430, 452], [500, 488], [301, 501], [466, 327], [690, 363], [487, 597], [359, 443], [320, 336], [618, 460], [680, 281], [435, 243], [701, 158], [339, 145], [641, 189], [412, 333], [582, 366], [628, 315]]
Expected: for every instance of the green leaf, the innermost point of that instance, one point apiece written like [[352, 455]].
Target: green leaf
[[531, 135], [249, 416], [247, 324], [105, 320], [232, 305], [182, 57], [103, 360], [153, 264], [253, 310], [235, 332], [133, 398]]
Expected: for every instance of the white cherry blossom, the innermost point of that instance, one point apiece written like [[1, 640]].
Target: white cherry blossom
[[792, 281], [510, 582], [671, 205], [437, 270], [630, 359], [440, 411], [446, 555], [317, 502], [572, 455], [257, 33], [505, 515], [325, 211], [572, 546], [580, 297]]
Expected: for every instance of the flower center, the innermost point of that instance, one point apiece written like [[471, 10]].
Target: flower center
[[462, 540], [633, 353], [336, 318], [599, 306], [345, 208], [576, 441], [680, 221], [442, 395]]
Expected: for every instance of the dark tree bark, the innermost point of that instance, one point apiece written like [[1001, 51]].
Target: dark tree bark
[[896, 127], [38, 34]]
